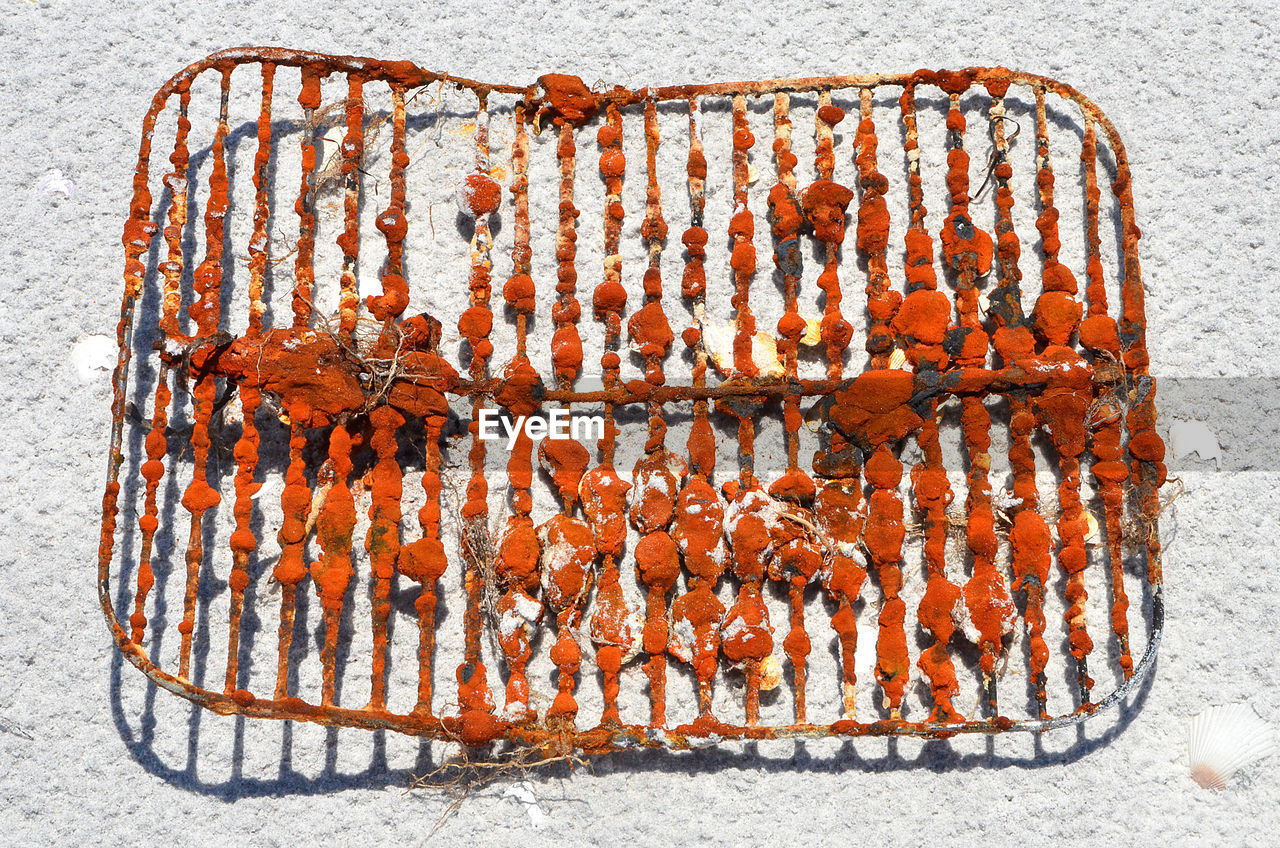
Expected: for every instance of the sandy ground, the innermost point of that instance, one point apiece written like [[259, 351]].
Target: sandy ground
[[1193, 90]]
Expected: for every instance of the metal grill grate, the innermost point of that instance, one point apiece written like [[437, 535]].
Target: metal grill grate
[[678, 597]]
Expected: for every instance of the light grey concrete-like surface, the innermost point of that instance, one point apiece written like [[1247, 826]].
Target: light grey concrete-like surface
[[1193, 90]]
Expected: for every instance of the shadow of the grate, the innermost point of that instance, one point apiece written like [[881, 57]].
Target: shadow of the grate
[[778, 757]]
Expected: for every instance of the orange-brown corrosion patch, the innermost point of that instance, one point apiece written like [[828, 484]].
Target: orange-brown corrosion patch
[[825, 203], [566, 98], [872, 409]]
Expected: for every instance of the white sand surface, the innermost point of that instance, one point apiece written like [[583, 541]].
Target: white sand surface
[[89, 754]]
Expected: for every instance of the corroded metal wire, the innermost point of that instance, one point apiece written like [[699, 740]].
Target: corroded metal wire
[[1065, 365]]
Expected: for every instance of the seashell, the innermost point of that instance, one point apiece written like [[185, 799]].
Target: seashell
[[718, 338], [55, 183], [1091, 532], [770, 674], [812, 330], [1222, 740]]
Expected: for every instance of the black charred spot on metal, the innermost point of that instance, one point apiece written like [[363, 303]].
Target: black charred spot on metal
[[928, 386], [1084, 683], [1142, 388], [963, 226], [842, 386], [880, 343], [919, 284], [859, 455], [955, 140], [950, 382], [221, 338], [860, 445], [823, 406], [1022, 394], [789, 259], [1027, 582], [465, 672], [739, 406], [1005, 304], [953, 342], [836, 465]]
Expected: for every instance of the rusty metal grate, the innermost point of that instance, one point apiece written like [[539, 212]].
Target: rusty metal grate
[[274, 448]]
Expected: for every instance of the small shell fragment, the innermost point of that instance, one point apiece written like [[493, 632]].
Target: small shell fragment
[[770, 673], [812, 331], [1091, 532], [718, 339], [54, 182]]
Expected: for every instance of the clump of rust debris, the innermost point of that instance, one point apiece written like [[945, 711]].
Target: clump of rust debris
[[712, 546]]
